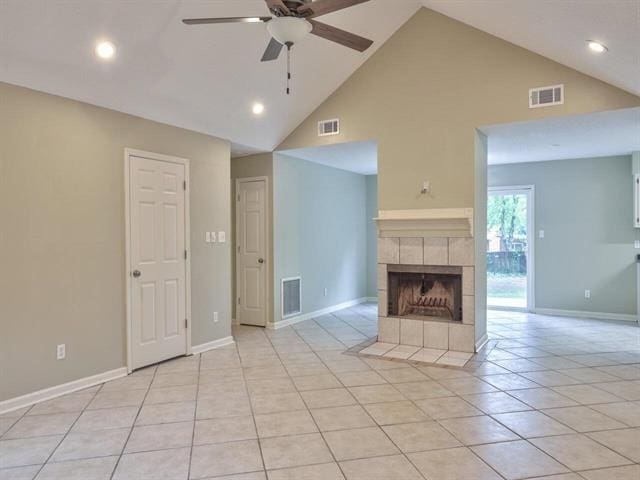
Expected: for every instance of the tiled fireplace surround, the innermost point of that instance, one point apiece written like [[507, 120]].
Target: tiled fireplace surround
[[432, 251]]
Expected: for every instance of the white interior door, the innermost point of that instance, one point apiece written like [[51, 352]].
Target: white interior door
[[251, 250], [157, 260]]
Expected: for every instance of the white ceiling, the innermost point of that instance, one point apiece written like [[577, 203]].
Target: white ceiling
[[558, 29], [357, 157], [203, 78], [616, 132], [206, 78]]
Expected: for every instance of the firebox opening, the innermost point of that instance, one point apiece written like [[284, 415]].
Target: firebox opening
[[424, 292]]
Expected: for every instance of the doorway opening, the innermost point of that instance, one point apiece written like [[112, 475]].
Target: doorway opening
[[510, 266]]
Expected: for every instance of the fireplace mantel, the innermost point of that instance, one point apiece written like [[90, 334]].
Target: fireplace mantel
[[432, 222]]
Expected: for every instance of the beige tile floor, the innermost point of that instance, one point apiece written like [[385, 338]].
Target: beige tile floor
[[549, 398]]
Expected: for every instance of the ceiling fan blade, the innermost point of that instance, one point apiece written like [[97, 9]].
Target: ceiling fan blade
[[342, 37], [205, 21], [273, 51], [322, 7], [277, 6]]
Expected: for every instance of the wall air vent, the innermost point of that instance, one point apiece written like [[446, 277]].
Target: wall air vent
[[546, 96], [291, 297], [328, 127]]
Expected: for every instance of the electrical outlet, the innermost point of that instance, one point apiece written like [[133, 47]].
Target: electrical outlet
[[222, 237], [541, 234], [326, 291], [636, 244], [215, 317], [587, 294], [61, 352]]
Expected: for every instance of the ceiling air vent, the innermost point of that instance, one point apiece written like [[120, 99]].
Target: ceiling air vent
[[546, 96], [328, 127]]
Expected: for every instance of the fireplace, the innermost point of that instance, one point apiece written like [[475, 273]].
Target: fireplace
[[424, 292]]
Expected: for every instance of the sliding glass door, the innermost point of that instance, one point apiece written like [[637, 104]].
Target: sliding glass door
[[509, 248]]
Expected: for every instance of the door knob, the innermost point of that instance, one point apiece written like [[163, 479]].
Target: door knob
[[261, 260], [136, 273]]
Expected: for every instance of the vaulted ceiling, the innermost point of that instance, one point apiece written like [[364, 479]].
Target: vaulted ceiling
[[206, 78]]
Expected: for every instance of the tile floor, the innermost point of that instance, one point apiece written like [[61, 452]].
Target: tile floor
[[549, 398]]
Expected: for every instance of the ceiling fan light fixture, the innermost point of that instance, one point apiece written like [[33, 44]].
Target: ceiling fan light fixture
[[288, 30]]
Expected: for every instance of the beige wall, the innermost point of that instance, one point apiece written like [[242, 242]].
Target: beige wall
[[258, 165], [62, 240], [423, 93]]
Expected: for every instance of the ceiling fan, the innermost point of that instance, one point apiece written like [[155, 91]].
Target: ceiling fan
[[292, 20]]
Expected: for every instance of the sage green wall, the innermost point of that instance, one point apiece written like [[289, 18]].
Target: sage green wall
[[585, 207], [372, 236], [62, 241], [320, 232], [258, 165]]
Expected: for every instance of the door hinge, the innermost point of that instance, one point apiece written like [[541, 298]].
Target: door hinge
[[238, 300], [186, 323], [184, 185], [185, 254]]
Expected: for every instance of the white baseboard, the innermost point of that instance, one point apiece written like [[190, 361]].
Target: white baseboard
[[509, 309], [482, 342], [59, 390], [203, 347], [582, 314], [371, 299], [307, 316]]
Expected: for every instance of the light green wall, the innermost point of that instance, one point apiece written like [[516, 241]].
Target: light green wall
[[372, 236], [585, 208], [320, 232], [62, 240]]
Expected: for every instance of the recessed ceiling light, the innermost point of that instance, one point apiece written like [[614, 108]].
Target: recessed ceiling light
[[105, 50], [596, 46], [258, 108]]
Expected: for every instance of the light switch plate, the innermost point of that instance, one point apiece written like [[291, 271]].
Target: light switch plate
[[541, 234], [207, 237], [213, 237], [222, 237], [636, 244]]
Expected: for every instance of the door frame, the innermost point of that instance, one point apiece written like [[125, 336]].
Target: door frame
[[128, 153], [267, 246], [530, 192]]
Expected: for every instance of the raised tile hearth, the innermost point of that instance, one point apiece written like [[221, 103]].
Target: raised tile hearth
[[416, 355]]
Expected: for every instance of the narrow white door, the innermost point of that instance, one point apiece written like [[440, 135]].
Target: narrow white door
[[251, 248], [158, 260]]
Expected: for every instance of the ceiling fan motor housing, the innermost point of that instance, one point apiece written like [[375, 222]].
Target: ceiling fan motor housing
[[288, 30]]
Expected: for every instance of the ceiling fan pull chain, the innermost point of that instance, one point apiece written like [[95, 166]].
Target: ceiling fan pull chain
[[288, 66]]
